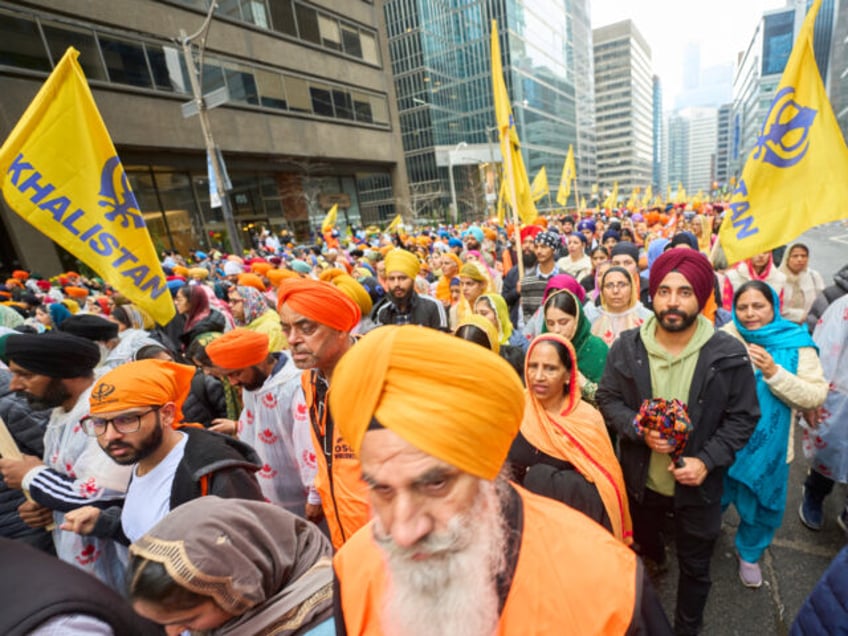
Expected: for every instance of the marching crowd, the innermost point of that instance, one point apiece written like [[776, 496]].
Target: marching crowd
[[445, 431]]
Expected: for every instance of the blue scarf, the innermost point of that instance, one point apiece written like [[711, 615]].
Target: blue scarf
[[757, 480]]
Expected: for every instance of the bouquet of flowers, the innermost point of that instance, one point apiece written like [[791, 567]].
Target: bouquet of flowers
[[670, 419]]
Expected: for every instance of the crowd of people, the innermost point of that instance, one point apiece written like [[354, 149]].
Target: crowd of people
[[452, 430]]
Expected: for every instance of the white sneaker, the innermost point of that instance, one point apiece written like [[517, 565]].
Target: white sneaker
[[750, 574]]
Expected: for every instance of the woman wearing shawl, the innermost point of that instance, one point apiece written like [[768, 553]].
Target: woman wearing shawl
[[789, 376], [759, 267], [802, 283], [251, 311], [192, 303], [231, 566], [620, 308], [512, 344], [564, 317], [555, 283], [562, 450], [474, 281], [600, 261]]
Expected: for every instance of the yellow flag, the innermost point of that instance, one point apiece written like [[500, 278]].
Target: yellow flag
[[797, 175], [514, 171], [502, 203], [612, 200], [582, 203], [59, 171], [569, 174], [330, 220], [539, 188], [649, 194], [395, 224]]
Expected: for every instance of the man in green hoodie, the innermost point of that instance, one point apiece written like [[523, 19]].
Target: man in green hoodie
[[677, 354]]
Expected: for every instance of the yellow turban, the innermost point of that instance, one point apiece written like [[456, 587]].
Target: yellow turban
[[397, 375], [179, 270], [402, 261], [486, 326], [349, 285], [238, 349], [474, 272], [200, 273]]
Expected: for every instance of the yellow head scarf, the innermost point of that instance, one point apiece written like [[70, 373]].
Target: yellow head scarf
[[484, 324], [394, 374], [402, 261], [497, 303]]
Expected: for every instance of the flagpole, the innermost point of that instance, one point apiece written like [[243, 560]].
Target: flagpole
[[514, 203], [577, 198]]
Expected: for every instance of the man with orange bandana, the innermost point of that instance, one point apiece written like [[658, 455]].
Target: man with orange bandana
[[135, 412], [317, 319], [273, 420], [454, 548]]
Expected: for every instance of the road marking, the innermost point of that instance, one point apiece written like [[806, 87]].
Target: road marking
[[842, 238], [806, 547]]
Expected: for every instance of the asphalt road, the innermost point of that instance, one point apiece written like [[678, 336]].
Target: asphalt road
[[798, 556]]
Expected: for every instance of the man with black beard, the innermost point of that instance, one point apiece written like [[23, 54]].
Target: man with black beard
[[453, 547], [403, 305], [678, 355], [135, 413], [511, 293]]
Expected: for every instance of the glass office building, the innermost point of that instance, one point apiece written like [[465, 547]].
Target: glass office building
[[440, 57]]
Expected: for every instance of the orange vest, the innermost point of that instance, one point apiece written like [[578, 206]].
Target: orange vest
[[591, 588], [344, 496]]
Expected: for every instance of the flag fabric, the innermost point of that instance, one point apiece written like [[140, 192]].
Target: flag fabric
[[330, 220], [582, 203], [612, 200], [539, 188], [569, 174], [649, 194], [394, 226], [514, 170], [61, 173], [797, 175], [501, 210]]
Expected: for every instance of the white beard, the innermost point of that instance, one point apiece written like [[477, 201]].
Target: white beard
[[453, 592]]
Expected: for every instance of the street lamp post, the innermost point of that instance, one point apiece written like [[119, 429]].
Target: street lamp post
[[454, 209], [203, 114]]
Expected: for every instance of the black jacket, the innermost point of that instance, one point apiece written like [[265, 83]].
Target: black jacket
[[213, 464], [423, 310], [510, 294], [215, 321], [722, 405], [828, 295], [205, 401]]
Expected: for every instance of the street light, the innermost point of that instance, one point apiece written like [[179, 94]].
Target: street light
[[454, 210]]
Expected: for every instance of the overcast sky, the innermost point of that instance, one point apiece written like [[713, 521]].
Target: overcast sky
[[721, 27]]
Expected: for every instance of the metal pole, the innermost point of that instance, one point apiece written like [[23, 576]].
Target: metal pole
[[203, 115], [454, 211]]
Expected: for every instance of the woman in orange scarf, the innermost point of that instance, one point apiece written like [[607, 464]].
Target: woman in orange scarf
[[563, 450]]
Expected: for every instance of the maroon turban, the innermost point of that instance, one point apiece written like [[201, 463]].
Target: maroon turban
[[695, 268]]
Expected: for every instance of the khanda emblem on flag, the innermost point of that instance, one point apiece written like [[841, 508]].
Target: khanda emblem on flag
[[117, 195], [785, 136]]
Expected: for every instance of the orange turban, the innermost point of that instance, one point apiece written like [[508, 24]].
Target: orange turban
[[142, 383], [260, 267], [392, 374], [238, 349], [319, 301], [403, 261], [200, 273], [76, 292], [251, 280], [180, 270], [20, 274], [351, 287], [277, 276]]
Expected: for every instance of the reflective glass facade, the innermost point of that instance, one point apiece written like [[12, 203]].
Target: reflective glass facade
[[439, 52]]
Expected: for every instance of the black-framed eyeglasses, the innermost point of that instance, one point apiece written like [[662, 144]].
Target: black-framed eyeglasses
[[123, 424]]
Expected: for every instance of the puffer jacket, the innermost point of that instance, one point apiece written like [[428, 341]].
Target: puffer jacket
[[824, 299], [826, 609]]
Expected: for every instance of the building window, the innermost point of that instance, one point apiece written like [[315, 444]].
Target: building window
[[329, 28], [307, 23], [282, 17], [322, 103], [125, 62], [297, 91], [21, 45], [343, 104], [59, 38]]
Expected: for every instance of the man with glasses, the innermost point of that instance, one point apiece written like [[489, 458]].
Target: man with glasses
[[136, 416], [56, 370]]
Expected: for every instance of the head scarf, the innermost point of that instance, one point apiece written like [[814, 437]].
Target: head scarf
[[474, 271], [232, 268], [351, 287], [392, 375], [693, 265], [655, 250], [627, 248], [138, 319], [498, 305], [251, 280], [277, 276], [320, 301], [254, 304], [591, 350], [403, 261], [58, 313], [142, 383], [485, 325], [549, 239], [578, 436], [684, 238], [611, 234], [54, 354], [609, 324], [564, 281], [238, 349], [258, 562]]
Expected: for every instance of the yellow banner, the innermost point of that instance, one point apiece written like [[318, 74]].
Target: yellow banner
[[394, 226], [569, 174], [797, 175], [539, 188], [61, 173], [330, 220]]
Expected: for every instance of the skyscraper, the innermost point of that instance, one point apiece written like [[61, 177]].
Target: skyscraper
[[723, 145], [656, 170], [439, 52], [623, 106]]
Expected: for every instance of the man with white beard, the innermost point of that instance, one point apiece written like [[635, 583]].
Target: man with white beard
[[453, 547]]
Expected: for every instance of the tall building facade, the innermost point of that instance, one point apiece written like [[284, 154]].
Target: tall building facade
[[309, 121], [761, 66], [440, 57], [623, 106], [656, 168], [723, 136], [692, 142], [838, 84]]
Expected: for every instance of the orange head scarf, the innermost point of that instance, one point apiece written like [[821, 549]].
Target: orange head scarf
[[142, 383], [251, 280], [319, 301], [238, 349], [393, 375], [579, 436]]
